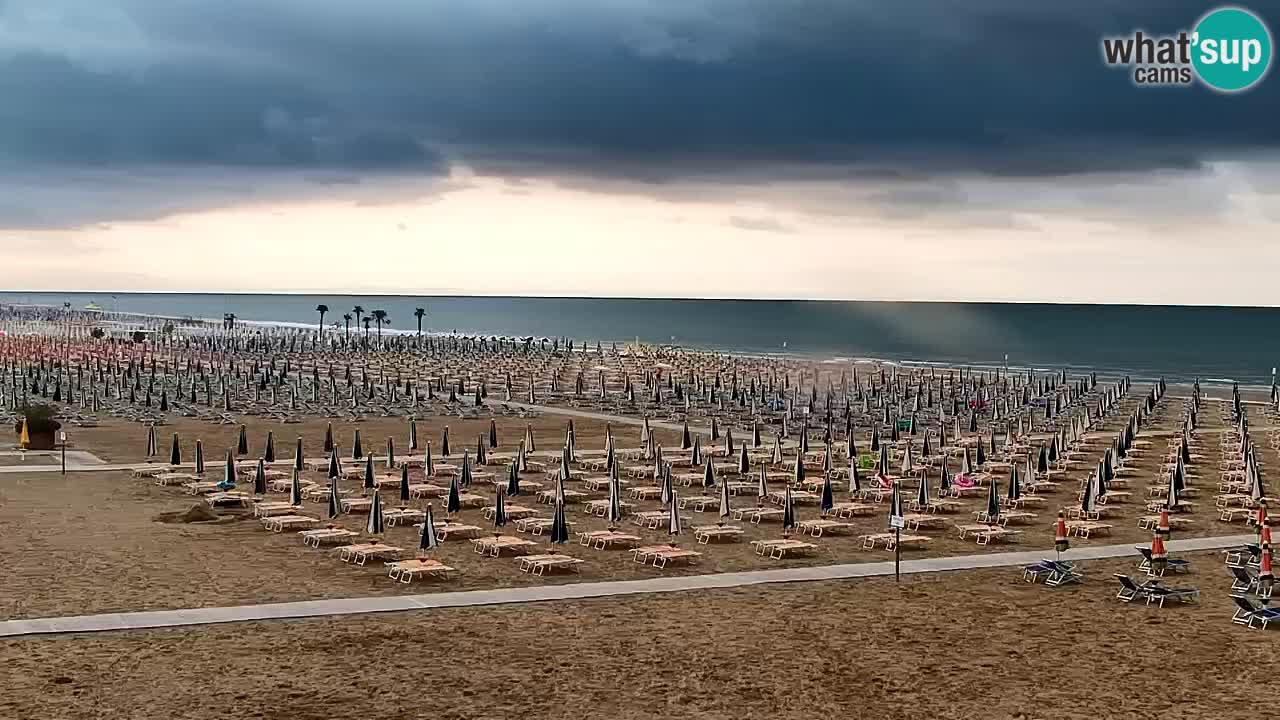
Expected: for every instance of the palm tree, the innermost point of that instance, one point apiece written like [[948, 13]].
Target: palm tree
[[322, 309], [359, 311], [419, 313], [381, 317], [366, 319], [346, 338]]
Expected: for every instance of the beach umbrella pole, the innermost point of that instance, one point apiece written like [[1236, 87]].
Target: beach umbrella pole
[[897, 554]]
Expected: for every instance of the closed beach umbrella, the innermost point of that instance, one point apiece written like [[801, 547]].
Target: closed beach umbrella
[[404, 483], [199, 458], [391, 453], [1015, 485], [725, 510], [993, 504], [427, 539], [428, 466], [335, 470], [328, 437], [799, 471], [357, 450], [269, 450], [335, 499], [465, 477], [1088, 498], [762, 485], [513, 479], [295, 489], [151, 439], [1159, 557], [175, 451], [228, 474], [744, 463], [788, 511], [413, 434], [708, 475], [559, 526], [375, 524], [855, 480], [297, 455], [493, 434], [260, 479], [499, 510], [242, 442], [613, 511], [895, 501], [1060, 541], [673, 516], [828, 497], [368, 472], [922, 492], [444, 442], [686, 441], [454, 503], [668, 491]]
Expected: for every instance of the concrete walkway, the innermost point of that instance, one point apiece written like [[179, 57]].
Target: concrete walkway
[[573, 591]]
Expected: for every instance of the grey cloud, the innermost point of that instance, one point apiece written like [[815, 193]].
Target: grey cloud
[[765, 224]]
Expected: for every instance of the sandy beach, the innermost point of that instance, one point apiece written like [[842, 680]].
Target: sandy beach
[[959, 644]]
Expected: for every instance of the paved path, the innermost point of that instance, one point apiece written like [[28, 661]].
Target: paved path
[[601, 416], [574, 591]]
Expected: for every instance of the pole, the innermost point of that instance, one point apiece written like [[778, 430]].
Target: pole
[[64, 454], [897, 554]]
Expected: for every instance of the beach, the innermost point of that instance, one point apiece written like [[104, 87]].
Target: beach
[[122, 538]]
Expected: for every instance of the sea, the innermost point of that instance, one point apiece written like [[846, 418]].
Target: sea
[[1213, 344]]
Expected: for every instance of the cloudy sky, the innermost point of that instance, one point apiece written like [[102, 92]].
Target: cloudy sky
[[854, 149]]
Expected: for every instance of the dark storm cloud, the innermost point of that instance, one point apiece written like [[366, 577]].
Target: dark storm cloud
[[641, 89]]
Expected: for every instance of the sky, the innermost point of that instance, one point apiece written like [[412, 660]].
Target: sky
[[833, 149]]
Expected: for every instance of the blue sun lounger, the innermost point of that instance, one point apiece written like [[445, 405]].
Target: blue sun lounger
[[1153, 592], [1247, 613], [1171, 564]]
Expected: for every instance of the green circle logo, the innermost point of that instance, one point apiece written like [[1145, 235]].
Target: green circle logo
[[1231, 49]]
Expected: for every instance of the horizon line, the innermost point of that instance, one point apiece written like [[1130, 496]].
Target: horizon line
[[674, 298]]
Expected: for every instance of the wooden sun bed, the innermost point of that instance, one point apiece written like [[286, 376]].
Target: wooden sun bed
[[662, 555], [495, 546], [607, 539], [403, 516], [540, 564], [232, 497], [426, 490], [406, 571], [820, 527], [755, 516], [698, 503], [784, 548], [454, 531], [891, 540], [985, 534], [334, 536], [364, 552], [514, 512], [267, 509], [281, 523], [600, 508], [1087, 528], [850, 509], [548, 497], [717, 534], [1151, 522], [645, 493]]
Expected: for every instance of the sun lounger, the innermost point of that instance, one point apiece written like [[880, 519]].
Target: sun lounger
[[607, 539], [1243, 555], [1153, 592], [514, 512], [915, 522], [697, 503], [495, 546], [755, 516], [426, 490], [848, 509], [645, 493], [985, 534], [402, 516], [548, 497], [819, 527], [406, 571], [281, 523], [356, 504], [454, 531], [717, 534], [1171, 564], [662, 555], [363, 553], [1247, 613], [320, 537], [1087, 528], [892, 540], [540, 564], [784, 548], [172, 478], [1151, 522], [220, 499], [267, 509]]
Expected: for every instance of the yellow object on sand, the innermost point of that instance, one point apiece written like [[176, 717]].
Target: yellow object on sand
[[24, 438]]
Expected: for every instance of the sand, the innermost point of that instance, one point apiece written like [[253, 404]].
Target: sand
[[978, 644], [105, 542]]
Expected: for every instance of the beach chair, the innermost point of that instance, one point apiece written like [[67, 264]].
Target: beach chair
[[1062, 573], [406, 571], [541, 564], [1171, 564], [1243, 555], [1033, 572], [1247, 613], [717, 534], [1245, 581], [327, 537]]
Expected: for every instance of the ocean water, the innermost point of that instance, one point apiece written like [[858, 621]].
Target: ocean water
[[1179, 343]]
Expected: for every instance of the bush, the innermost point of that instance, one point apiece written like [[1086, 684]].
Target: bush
[[39, 419], [97, 333]]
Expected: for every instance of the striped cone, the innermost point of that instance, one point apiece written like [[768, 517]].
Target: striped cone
[[1159, 557], [1060, 541], [1162, 527]]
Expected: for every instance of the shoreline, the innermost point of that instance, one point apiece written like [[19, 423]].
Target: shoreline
[[1179, 381]]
